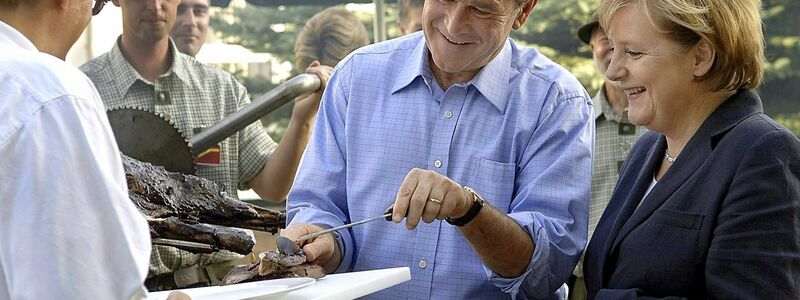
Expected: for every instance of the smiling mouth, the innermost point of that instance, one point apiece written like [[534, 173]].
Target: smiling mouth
[[635, 91], [451, 41]]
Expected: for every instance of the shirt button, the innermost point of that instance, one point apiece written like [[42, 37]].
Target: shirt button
[[162, 97], [437, 163], [448, 114], [423, 264]]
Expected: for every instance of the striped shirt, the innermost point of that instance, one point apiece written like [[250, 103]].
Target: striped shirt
[[194, 96], [520, 133]]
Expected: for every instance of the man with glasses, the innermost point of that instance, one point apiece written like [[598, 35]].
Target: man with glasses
[[68, 229], [144, 69]]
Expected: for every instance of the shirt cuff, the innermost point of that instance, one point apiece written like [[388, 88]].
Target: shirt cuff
[[534, 282]]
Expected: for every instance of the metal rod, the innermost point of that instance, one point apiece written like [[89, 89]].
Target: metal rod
[[258, 108], [186, 245], [380, 25]]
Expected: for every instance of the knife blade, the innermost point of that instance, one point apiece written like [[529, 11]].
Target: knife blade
[[287, 246]]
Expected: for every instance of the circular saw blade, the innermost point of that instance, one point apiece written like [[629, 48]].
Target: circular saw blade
[[149, 137]]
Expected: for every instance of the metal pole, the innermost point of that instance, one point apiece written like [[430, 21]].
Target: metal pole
[[260, 107], [380, 25]]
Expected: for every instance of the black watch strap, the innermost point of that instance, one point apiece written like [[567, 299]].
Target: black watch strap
[[473, 211]]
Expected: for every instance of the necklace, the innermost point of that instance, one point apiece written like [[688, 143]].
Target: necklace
[[670, 159]]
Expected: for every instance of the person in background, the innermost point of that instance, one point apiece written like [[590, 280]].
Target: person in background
[[708, 200], [614, 136], [409, 16], [487, 142], [144, 69], [328, 37], [67, 227], [191, 26]]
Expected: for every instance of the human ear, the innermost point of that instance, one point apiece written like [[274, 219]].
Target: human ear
[[522, 16], [704, 57]]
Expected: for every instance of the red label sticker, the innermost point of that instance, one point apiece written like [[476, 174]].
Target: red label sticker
[[209, 157]]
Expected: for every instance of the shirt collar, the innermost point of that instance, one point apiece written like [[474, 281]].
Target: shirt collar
[[605, 110], [127, 75], [10, 36], [492, 81], [416, 66], [180, 62]]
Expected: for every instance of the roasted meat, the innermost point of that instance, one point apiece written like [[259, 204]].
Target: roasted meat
[[217, 237], [274, 265], [177, 204]]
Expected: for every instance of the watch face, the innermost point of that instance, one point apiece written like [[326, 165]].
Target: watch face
[[472, 212], [475, 196]]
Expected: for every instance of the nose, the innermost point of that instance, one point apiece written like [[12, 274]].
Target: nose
[[191, 19], [616, 70], [458, 18], [152, 5]]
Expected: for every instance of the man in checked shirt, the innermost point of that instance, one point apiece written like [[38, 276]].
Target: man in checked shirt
[[144, 69]]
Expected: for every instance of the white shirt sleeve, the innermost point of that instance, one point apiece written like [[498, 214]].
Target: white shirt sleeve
[[67, 226]]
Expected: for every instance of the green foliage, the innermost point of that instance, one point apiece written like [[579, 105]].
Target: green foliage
[[790, 121], [263, 29]]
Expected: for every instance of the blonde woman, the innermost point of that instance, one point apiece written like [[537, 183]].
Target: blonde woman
[[707, 205]]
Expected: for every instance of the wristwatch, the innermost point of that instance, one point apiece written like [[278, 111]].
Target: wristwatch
[[473, 211]]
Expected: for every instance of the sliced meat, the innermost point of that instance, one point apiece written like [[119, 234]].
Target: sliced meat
[[274, 265]]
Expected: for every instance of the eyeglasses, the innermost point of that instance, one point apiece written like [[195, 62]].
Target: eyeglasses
[[98, 6]]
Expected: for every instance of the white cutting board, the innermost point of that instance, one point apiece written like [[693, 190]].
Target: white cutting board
[[261, 290], [351, 285]]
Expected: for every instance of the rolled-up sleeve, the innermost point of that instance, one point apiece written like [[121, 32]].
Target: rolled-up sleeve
[[552, 198]]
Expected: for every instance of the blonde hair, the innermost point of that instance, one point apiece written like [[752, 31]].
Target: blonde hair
[[329, 36], [733, 27]]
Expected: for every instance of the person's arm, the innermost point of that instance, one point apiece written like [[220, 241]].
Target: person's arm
[[319, 195], [499, 241], [533, 248], [275, 180], [755, 252], [71, 231]]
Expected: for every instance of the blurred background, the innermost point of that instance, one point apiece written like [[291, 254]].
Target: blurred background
[[254, 39]]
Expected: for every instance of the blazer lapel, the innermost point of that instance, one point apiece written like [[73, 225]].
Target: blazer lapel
[[698, 150], [642, 181]]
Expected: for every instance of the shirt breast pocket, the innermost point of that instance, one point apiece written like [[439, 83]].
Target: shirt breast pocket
[[494, 181]]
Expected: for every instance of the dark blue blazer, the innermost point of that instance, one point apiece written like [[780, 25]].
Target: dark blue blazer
[[723, 222]]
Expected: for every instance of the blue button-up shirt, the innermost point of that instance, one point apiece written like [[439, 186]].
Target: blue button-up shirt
[[520, 133]]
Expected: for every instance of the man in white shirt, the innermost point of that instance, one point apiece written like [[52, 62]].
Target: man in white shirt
[[67, 227]]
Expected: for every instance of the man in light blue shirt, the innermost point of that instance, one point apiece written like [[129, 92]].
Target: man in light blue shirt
[[487, 142]]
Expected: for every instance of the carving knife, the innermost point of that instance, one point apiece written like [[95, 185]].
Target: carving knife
[[287, 246]]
